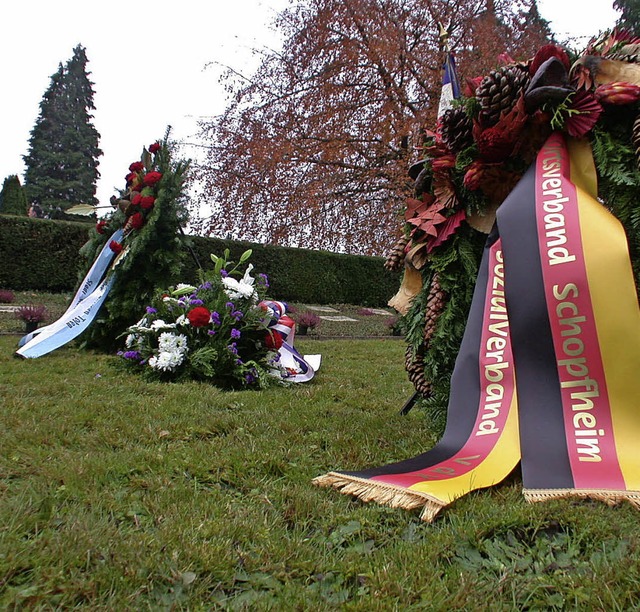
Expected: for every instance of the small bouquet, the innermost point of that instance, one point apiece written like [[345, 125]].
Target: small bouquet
[[217, 331]]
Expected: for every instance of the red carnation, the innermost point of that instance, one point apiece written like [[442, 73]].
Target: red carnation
[[136, 220], [135, 199], [147, 202], [132, 176], [154, 148], [199, 316], [152, 178], [273, 340], [136, 167], [100, 225], [116, 247]]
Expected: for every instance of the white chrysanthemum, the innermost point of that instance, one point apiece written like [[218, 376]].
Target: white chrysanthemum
[[130, 341], [166, 341], [240, 289], [181, 343], [171, 343], [166, 360]]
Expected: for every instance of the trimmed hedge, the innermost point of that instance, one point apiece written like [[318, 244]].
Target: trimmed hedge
[[38, 254]]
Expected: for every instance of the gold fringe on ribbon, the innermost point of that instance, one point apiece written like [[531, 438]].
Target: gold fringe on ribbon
[[382, 493], [611, 498]]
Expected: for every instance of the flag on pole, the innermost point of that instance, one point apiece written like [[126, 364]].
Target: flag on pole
[[450, 84]]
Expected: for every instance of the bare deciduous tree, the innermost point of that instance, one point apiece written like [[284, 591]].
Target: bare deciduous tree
[[313, 149]]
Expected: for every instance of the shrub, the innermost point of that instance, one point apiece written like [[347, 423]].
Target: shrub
[[31, 313], [308, 319], [13, 200], [6, 296], [393, 324], [42, 255]]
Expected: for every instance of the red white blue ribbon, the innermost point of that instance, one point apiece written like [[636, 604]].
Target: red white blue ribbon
[[296, 367]]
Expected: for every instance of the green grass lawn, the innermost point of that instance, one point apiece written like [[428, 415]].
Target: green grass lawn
[[121, 494]]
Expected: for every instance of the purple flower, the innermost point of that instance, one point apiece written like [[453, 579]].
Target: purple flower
[[131, 355], [224, 273], [239, 362], [215, 318], [205, 286], [235, 334], [237, 315], [196, 302], [233, 348], [250, 378], [211, 332], [230, 305], [151, 310], [264, 279]]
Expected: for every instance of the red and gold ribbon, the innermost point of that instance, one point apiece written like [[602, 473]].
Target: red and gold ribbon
[[556, 286]]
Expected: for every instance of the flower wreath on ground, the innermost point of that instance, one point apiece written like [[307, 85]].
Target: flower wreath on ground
[[144, 227], [218, 331], [478, 152]]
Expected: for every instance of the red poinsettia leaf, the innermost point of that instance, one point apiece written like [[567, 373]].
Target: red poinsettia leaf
[[470, 86], [447, 229], [427, 220], [415, 207]]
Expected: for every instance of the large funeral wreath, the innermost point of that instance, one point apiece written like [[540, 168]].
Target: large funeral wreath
[[479, 150]]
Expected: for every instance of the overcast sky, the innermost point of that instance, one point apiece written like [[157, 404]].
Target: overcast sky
[[148, 64]]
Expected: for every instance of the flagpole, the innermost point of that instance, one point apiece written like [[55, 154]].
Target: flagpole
[[444, 38]]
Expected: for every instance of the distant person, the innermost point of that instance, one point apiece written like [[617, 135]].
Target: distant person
[[36, 211]]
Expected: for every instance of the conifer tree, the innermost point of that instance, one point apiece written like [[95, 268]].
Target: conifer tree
[[13, 200], [630, 17], [62, 163]]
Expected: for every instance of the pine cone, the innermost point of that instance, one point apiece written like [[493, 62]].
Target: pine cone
[[395, 259], [635, 139], [457, 129], [499, 91], [414, 362], [435, 305], [414, 365]]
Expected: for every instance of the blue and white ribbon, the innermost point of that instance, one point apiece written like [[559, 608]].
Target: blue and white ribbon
[[82, 310]]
